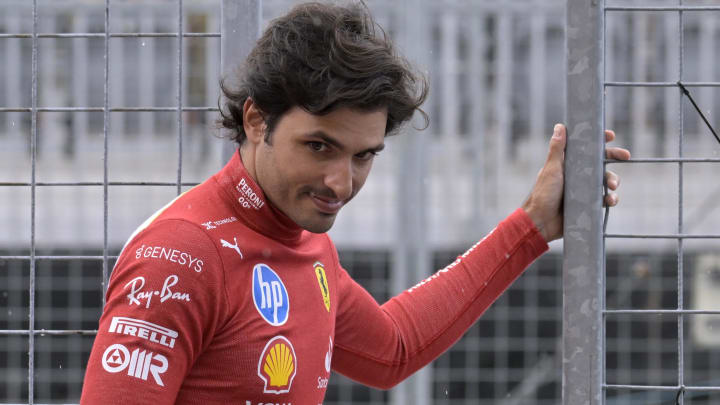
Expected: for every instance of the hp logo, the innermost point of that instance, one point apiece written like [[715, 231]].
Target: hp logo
[[270, 296]]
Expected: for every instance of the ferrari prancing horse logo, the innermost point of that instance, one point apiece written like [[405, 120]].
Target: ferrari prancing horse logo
[[322, 280]]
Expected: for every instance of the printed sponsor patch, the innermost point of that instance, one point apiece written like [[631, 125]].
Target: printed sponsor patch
[[248, 198], [277, 365], [451, 265], [232, 246], [143, 330], [270, 295], [214, 224], [139, 363], [322, 281], [328, 357], [171, 255], [323, 380], [139, 296]]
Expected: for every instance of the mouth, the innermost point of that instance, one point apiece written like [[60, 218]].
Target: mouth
[[326, 205]]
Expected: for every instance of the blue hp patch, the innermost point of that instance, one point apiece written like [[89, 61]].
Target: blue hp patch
[[270, 296]]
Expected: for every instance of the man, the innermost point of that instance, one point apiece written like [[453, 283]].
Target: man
[[233, 292]]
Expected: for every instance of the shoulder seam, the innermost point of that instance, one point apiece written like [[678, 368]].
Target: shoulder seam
[[219, 255], [222, 188]]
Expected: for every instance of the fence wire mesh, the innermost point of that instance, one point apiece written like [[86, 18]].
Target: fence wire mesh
[[659, 333], [106, 111]]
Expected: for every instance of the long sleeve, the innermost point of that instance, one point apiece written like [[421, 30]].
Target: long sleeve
[[165, 300], [382, 345]]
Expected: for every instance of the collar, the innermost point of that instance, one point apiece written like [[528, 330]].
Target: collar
[[248, 201]]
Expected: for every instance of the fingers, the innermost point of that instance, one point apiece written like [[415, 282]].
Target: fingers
[[609, 135], [612, 180], [610, 200], [557, 144], [617, 153], [544, 204]]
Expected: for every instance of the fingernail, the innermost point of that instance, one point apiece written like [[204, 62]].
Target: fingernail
[[556, 130]]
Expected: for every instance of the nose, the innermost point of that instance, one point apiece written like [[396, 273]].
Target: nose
[[339, 179]]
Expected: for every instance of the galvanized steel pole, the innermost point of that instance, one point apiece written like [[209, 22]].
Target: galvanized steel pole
[[583, 264], [239, 28]]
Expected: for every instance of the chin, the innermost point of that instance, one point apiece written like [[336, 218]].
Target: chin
[[318, 225]]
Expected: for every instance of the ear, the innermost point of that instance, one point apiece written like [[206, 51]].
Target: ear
[[253, 122]]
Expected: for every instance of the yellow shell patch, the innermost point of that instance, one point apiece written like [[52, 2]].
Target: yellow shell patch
[[278, 365]]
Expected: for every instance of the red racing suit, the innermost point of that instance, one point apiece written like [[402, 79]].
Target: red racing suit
[[220, 298]]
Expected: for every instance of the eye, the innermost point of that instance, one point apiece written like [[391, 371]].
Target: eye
[[367, 155], [317, 146]]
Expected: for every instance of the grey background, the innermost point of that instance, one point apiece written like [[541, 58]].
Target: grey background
[[497, 74]]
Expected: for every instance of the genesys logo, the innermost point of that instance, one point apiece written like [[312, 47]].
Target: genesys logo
[[277, 365], [322, 281], [139, 296], [248, 197], [270, 295], [139, 364], [171, 255], [143, 330]]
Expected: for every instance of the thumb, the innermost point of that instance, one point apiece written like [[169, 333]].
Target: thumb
[[557, 144]]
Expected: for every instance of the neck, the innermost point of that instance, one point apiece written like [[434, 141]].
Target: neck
[[247, 155]]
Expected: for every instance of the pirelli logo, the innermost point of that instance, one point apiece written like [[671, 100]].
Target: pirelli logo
[[143, 330]]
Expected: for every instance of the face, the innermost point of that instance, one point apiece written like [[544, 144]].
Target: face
[[314, 165]]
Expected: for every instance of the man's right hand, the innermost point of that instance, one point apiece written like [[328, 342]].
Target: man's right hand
[[545, 203]]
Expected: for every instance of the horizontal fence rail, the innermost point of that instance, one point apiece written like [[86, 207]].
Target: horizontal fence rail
[[85, 161]]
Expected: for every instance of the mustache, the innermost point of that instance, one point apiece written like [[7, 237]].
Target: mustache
[[324, 192]]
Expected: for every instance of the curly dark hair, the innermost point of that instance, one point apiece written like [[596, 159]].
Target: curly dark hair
[[321, 57]]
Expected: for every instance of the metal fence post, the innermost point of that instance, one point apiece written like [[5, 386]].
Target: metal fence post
[[583, 264], [239, 29]]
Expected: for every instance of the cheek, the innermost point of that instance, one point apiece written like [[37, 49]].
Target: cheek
[[274, 177], [297, 179], [360, 175]]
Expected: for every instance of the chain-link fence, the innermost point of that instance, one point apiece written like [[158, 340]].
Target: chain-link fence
[[106, 113]]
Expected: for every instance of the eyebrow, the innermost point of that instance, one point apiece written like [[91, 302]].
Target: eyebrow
[[331, 141]]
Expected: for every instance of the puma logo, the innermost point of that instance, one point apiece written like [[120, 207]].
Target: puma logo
[[231, 246]]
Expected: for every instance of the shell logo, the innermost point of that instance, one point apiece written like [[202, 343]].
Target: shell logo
[[277, 365]]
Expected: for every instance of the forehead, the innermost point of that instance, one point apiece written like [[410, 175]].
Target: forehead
[[350, 127]]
